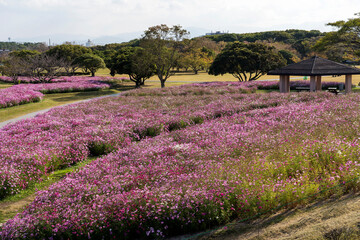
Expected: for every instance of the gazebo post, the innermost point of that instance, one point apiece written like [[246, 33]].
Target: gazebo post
[[348, 83], [282, 83], [312, 84], [318, 83], [287, 83]]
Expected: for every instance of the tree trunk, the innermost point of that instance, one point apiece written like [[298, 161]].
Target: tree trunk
[[137, 84], [162, 83], [93, 73]]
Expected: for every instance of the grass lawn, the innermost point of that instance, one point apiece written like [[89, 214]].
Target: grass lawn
[[183, 77], [4, 85]]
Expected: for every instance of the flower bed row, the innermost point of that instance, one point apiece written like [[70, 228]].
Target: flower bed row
[[274, 85], [14, 96], [208, 88], [191, 179], [26, 93], [61, 79], [65, 135]]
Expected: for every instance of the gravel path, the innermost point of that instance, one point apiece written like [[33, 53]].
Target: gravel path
[[33, 114]]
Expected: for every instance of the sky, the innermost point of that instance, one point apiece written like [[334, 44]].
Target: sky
[[27, 19]]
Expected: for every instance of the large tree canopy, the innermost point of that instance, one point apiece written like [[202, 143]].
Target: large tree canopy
[[162, 44], [246, 61], [133, 61], [69, 53], [90, 62], [343, 44]]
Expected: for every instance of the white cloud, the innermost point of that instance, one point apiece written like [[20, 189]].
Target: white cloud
[[109, 17]]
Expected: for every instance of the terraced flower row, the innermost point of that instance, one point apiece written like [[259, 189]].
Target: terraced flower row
[[267, 85], [232, 166], [34, 147], [25, 93], [209, 88], [23, 79], [17, 96]]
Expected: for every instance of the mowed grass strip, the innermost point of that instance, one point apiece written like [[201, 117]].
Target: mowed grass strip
[[5, 85], [205, 77]]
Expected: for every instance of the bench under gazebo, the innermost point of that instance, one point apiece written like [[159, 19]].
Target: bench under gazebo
[[314, 67]]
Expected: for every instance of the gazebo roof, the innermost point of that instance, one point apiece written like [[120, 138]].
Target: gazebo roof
[[315, 66]]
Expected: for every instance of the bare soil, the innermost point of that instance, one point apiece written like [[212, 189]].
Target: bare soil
[[8, 209]]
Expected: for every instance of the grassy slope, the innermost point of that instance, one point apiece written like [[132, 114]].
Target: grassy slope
[[336, 218]]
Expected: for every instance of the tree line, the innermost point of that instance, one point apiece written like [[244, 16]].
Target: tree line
[[164, 50], [45, 66]]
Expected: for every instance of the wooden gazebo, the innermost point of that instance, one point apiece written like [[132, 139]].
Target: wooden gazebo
[[314, 67]]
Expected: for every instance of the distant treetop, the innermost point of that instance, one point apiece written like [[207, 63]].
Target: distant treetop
[[287, 36]]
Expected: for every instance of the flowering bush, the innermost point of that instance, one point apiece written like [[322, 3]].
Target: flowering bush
[[250, 154]]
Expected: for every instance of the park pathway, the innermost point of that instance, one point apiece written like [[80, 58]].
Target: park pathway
[[33, 114]]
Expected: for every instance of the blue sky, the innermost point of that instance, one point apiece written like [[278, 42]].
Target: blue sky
[[25, 19]]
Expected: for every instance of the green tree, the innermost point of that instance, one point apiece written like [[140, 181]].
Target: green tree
[[24, 54], [246, 61], [346, 40], [14, 67], [289, 56], [162, 44], [69, 53], [196, 55], [90, 62], [132, 61]]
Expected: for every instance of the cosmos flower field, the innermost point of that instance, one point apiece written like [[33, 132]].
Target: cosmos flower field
[[26, 93], [177, 160]]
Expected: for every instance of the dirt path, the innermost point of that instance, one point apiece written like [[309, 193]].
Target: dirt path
[[331, 219], [8, 209]]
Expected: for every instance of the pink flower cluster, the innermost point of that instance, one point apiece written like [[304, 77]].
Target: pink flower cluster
[[208, 88], [23, 79], [25, 93], [17, 96], [251, 153]]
